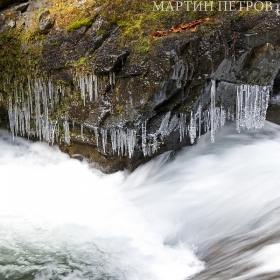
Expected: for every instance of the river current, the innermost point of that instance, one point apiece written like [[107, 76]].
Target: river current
[[212, 211]]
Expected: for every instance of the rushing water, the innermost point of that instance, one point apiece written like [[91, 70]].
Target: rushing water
[[210, 212]]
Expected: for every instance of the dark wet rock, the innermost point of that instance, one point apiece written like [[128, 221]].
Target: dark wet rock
[[45, 22], [46, 25], [5, 3], [22, 7], [107, 63], [273, 113]]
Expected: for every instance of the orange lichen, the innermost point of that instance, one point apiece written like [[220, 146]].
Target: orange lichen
[[180, 28], [158, 34]]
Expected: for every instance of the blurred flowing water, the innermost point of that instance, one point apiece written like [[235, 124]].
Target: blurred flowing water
[[210, 212]]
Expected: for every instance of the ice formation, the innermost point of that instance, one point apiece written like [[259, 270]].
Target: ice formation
[[144, 138], [67, 136], [112, 78], [96, 135], [192, 128], [163, 129], [251, 106], [30, 109], [178, 69], [30, 114], [123, 141], [182, 126], [88, 84], [82, 132], [104, 138], [213, 110]]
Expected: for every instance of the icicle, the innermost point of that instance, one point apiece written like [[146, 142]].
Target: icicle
[[192, 129], [52, 131], [114, 140], [144, 138], [11, 118], [51, 95], [90, 87], [45, 117], [199, 120], [26, 114], [96, 135], [104, 139], [119, 142], [223, 117], [114, 78], [57, 134], [172, 125], [82, 85], [37, 110], [206, 121], [30, 102], [163, 130], [154, 144], [16, 112], [56, 96], [230, 114], [213, 109], [131, 141], [251, 106], [95, 87], [82, 132], [123, 142], [182, 126], [110, 78], [67, 136], [21, 122]]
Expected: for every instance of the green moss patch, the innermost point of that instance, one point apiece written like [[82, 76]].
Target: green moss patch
[[10, 54], [78, 24]]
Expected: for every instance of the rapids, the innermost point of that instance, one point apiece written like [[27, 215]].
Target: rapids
[[209, 212]]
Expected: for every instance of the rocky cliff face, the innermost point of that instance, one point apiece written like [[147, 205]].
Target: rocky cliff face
[[101, 89]]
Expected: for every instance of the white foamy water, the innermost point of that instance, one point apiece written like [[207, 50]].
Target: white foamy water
[[213, 208]]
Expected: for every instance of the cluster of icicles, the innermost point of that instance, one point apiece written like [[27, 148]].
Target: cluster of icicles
[[29, 115], [33, 108]]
